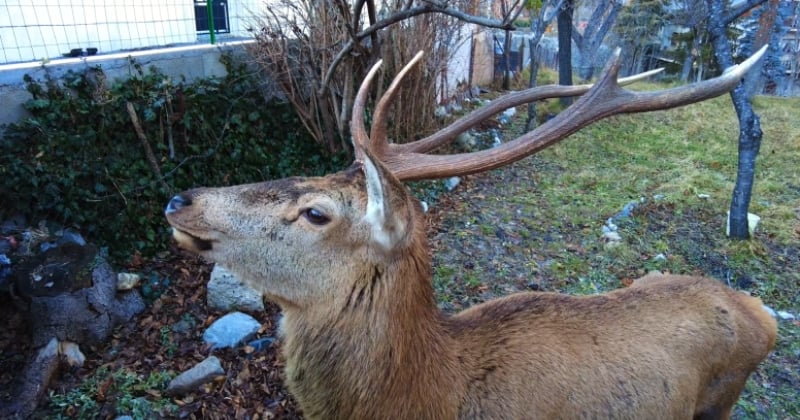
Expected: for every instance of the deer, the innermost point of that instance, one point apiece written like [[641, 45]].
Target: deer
[[345, 257]]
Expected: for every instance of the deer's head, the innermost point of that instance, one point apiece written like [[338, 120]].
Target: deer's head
[[300, 241]]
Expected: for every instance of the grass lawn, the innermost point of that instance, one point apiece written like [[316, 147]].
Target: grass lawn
[[538, 223]]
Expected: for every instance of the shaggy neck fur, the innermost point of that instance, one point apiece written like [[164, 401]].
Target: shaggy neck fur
[[342, 360]]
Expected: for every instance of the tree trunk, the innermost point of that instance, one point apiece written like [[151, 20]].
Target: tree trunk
[[507, 59], [564, 22], [766, 27], [688, 62], [749, 128], [530, 124]]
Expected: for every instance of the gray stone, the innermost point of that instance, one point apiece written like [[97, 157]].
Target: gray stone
[[33, 382], [230, 330], [425, 206], [227, 293], [85, 315], [72, 353], [127, 281], [198, 375], [451, 183], [467, 141]]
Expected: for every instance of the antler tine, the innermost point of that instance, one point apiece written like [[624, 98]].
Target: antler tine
[[472, 119], [380, 122], [358, 130], [604, 99]]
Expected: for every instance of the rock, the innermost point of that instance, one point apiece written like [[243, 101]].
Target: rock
[[56, 270], [628, 209], [752, 223], [612, 239], [467, 141], [230, 330], [127, 281], [72, 353], [496, 141], [14, 224], [451, 183], [5, 245], [33, 382], [262, 343], [660, 257], [5, 272], [198, 375], [84, 315], [227, 293], [69, 235]]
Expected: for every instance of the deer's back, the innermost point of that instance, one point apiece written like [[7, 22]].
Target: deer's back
[[668, 346]]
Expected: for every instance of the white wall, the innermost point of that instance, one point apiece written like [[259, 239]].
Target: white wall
[[34, 30]]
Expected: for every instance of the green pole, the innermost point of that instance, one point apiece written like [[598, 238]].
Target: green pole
[[211, 32]]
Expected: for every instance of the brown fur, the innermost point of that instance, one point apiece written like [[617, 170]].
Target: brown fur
[[363, 338]]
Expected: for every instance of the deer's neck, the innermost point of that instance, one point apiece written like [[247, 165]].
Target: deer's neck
[[341, 363]]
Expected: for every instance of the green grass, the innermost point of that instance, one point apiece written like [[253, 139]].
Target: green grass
[[134, 395], [680, 165]]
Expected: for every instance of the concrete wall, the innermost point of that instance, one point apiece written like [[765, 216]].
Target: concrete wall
[[195, 61]]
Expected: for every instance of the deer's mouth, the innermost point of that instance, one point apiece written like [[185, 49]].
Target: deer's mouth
[[190, 242]]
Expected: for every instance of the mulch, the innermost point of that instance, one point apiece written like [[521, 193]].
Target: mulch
[[167, 337]]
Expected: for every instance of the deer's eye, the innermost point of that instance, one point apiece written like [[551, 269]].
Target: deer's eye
[[315, 217]]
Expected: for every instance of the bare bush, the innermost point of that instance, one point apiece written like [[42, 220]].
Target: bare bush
[[318, 50]]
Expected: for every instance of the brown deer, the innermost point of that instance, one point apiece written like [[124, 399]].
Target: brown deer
[[345, 257]]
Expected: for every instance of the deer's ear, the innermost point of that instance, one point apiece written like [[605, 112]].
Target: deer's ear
[[387, 204]]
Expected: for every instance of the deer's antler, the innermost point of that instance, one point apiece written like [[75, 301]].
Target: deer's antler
[[605, 98]]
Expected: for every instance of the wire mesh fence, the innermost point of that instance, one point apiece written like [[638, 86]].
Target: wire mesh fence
[[38, 30]]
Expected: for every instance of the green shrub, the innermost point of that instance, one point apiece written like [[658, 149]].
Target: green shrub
[[77, 160]]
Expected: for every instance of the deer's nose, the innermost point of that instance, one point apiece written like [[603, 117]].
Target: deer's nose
[[177, 203]]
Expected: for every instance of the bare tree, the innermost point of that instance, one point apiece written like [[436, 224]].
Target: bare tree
[[792, 50], [639, 29], [541, 18], [754, 81], [590, 38], [317, 49], [691, 15], [749, 122], [564, 22], [510, 11]]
